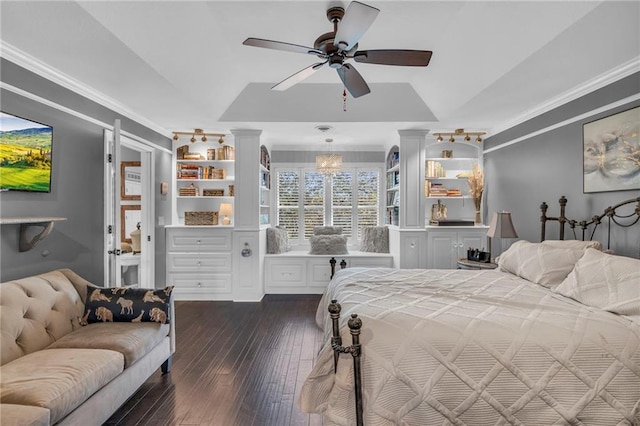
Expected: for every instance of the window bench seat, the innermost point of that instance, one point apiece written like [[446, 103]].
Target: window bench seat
[[298, 272]]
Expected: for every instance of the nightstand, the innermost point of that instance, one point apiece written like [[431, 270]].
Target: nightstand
[[463, 263]]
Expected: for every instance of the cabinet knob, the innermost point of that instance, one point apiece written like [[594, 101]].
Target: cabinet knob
[[198, 263], [199, 285], [197, 241]]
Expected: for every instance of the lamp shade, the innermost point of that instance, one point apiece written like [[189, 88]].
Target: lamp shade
[[501, 226], [226, 209]]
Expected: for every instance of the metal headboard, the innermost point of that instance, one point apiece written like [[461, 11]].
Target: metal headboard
[[613, 214]]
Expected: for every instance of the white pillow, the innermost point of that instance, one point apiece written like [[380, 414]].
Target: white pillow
[[605, 281], [546, 263]]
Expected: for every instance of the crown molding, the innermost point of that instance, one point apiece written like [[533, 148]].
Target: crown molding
[[623, 70], [24, 60]]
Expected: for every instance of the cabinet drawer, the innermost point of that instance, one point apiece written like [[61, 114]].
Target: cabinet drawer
[[319, 273], [198, 240], [199, 263], [286, 274], [370, 262], [205, 283]]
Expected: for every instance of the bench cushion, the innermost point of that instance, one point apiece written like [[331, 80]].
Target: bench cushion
[[133, 340], [58, 379]]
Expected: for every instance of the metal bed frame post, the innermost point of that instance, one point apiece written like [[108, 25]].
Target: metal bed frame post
[[355, 324]]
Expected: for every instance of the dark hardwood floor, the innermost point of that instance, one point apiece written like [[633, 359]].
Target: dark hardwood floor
[[235, 364]]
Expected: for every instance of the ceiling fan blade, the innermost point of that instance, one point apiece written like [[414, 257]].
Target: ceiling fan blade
[[356, 21], [410, 58], [353, 81], [280, 45], [298, 77]]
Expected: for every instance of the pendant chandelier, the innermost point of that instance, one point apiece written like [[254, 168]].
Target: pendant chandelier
[[329, 163]]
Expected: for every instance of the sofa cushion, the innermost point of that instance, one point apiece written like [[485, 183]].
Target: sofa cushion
[[35, 311], [58, 379], [23, 415], [128, 304], [133, 340]]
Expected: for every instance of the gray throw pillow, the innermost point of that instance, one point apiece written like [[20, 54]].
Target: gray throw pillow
[[328, 244], [277, 240], [375, 239], [327, 230]]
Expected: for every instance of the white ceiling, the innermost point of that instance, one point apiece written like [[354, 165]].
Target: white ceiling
[[180, 65]]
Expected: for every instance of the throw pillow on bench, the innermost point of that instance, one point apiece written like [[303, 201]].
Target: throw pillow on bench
[[127, 304]]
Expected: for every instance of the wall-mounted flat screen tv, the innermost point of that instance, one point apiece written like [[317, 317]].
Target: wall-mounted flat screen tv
[[25, 154]]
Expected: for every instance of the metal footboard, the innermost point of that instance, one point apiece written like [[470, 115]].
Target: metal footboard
[[355, 324]]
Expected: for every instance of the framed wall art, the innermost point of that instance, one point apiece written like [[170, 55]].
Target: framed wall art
[[611, 152]]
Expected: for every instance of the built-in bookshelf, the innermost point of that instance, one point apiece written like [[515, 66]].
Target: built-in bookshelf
[[392, 210], [265, 185], [204, 178]]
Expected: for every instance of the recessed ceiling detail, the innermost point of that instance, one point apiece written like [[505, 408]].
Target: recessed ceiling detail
[[322, 102]]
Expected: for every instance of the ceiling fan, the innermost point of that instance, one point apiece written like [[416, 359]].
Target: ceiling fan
[[340, 45]]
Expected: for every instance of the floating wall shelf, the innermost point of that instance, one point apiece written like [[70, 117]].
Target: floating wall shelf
[[25, 223]]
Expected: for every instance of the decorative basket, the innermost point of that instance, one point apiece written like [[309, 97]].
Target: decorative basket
[[200, 218], [189, 191], [213, 192]]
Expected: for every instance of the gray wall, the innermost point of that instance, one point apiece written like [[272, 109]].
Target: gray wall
[[77, 183], [519, 177]]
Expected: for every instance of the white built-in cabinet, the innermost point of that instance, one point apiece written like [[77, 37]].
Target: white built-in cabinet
[[447, 166], [300, 273], [445, 246], [199, 261], [265, 185]]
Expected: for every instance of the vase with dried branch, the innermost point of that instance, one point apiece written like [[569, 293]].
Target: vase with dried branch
[[476, 186]]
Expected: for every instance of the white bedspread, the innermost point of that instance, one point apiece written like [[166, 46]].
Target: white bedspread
[[463, 347]]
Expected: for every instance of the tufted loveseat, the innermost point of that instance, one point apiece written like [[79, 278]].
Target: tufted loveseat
[[54, 369]]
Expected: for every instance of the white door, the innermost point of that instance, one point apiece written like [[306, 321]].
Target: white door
[[132, 268]]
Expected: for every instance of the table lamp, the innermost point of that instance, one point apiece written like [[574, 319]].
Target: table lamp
[[500, 226], [226, 210]]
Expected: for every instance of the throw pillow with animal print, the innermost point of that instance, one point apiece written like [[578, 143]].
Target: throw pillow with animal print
[[125, 304]]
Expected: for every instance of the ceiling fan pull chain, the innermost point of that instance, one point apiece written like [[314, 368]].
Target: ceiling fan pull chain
[[344, 99]]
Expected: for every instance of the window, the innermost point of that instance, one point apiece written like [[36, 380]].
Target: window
[[306, 198]]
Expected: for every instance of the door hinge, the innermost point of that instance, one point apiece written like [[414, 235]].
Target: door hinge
[[149, 238], [110, 229], [109, 158]]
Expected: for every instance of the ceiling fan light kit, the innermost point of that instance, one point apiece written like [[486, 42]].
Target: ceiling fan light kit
[[199, 133], [340, 45], [459, 133]]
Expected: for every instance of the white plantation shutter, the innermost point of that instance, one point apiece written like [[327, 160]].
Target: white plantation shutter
[[368, 201], [307, 198], [342, 201], [313, 202], [288, 202]]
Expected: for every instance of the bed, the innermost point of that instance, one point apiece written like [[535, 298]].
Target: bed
[[551, 337]]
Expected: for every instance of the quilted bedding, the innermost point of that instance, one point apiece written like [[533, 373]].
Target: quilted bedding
[[462, 347]]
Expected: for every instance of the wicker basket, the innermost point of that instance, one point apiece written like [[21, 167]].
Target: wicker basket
[[200, 218]]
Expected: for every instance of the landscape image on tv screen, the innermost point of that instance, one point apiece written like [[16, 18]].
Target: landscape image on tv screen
[[25, 154]]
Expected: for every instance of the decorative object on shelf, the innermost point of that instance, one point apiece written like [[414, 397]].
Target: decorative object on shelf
[[232, 192], [135, 239], [226, 210], [438, 211], [201, 134], [213, 192], [189, 191], [460, 133], [611, 153], [447, 153], [200, 218], [501, 226], [329, 163], [476, 186]]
